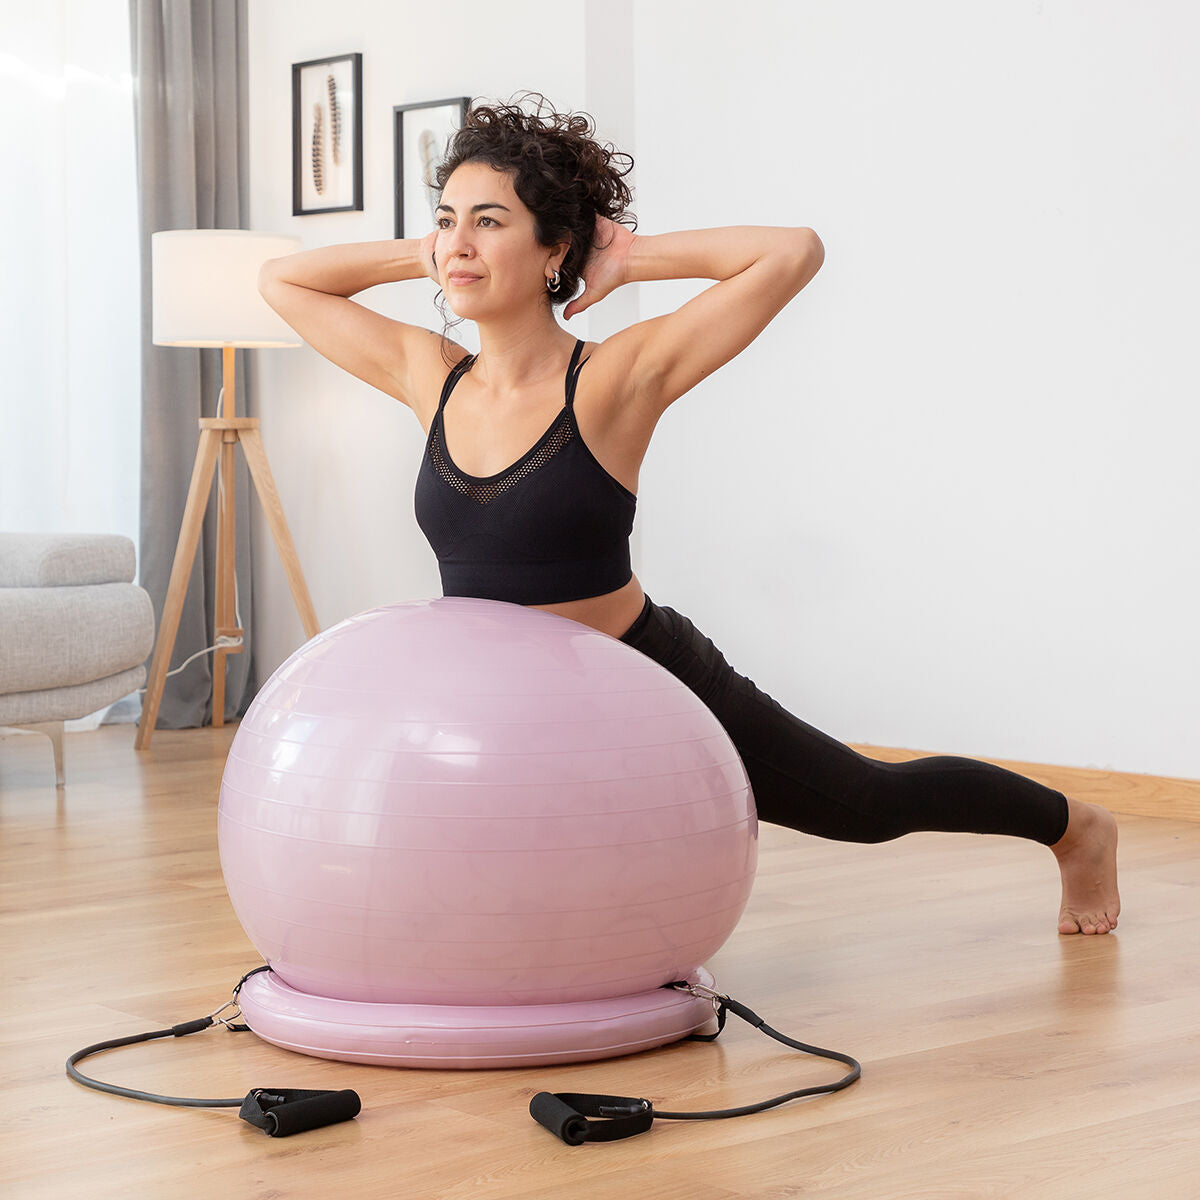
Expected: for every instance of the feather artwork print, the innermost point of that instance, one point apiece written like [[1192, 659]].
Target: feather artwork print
[[318, 155], [335, 122], [427, 148]]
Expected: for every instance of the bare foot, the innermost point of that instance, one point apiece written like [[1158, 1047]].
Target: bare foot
[[1087, 858]]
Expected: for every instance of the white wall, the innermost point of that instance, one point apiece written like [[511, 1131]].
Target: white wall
[[954, 486], [947, 500]]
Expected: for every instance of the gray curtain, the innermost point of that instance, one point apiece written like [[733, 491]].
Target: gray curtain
[[190, 71]]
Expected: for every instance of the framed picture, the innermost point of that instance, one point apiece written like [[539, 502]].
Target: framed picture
[[327, 172], [422, 131]]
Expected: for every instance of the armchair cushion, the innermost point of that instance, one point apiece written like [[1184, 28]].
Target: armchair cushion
[[39, 560], [62, 636]]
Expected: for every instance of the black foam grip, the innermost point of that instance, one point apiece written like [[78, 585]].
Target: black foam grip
[[562, 1120], [312, 1113]]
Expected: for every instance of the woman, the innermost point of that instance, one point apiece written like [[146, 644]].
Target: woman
[[528, 486]]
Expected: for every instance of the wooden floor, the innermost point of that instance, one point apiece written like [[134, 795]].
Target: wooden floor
[[999, 1059]]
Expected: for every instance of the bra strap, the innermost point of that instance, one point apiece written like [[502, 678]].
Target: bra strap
[[457, 371], [573, 371]]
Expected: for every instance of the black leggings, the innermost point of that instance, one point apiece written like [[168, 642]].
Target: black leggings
[[805, 780]]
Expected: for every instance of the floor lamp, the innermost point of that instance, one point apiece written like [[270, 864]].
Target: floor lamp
[[205, 293]]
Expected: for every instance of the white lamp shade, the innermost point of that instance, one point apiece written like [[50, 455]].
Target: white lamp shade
[[206, 288]]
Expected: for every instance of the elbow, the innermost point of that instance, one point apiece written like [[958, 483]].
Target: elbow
[[268, 276], [273, 284], [806, 253], [811, 250], [816, 248]]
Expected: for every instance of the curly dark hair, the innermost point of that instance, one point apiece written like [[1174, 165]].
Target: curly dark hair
[[560, 172]]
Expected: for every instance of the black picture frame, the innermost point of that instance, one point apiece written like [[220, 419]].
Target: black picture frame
[[327, 159], [420, 132]]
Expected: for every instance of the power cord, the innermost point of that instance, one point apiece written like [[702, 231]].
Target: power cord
[[224, 642]]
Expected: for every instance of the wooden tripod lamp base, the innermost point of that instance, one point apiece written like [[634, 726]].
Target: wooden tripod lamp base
[[206, 294]]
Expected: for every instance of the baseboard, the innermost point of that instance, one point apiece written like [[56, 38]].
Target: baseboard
[[1134, 795]]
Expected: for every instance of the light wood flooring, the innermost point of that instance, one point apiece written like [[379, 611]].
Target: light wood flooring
[[999, 1059]]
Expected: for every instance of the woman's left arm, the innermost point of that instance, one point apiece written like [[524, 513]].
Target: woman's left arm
[[758, 269]]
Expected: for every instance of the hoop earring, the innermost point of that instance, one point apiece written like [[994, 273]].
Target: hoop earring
[[553, 283]]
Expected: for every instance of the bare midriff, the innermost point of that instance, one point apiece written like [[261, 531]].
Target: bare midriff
[[612, 613]]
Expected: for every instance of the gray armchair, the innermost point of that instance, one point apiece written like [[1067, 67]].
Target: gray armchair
[[74, 629]]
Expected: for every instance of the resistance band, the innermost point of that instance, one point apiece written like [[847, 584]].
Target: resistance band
[[574, 1117], [279, 1112], [566, 1114]]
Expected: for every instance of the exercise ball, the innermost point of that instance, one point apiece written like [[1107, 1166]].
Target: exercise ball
[[470, 833]]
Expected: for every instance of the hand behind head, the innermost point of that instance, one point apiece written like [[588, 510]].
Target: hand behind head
[[427, 256], [607, 266]]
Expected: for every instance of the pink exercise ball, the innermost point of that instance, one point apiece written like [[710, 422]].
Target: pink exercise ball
[[462, 802]]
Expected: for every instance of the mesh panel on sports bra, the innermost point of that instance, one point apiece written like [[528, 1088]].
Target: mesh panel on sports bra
[[559, 434]]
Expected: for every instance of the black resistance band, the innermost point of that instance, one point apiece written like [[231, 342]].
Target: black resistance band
[[571, 1116], [279, 1112], [566, 1114]]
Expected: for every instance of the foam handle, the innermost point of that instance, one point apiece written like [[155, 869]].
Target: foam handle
[[288, 1111], [561, 1119], [313, 1113]]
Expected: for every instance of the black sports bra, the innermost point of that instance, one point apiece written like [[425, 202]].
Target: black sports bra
[[552, 527]]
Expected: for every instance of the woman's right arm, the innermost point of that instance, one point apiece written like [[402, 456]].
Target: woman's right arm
[[311, 291]]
